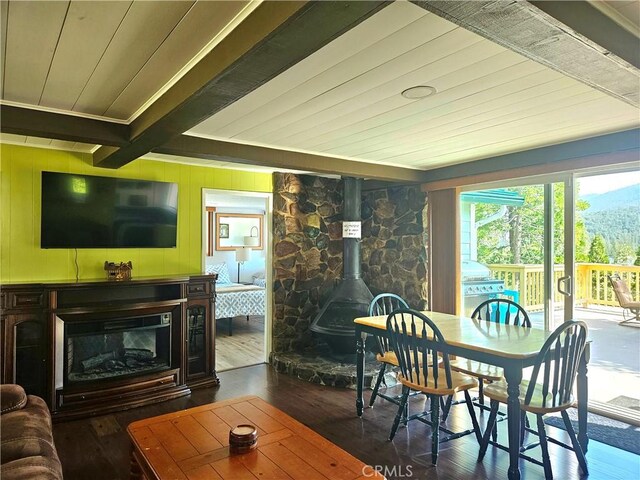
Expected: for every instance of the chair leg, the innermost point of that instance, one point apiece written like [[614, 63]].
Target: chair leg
[[435, 428], [481, 391], [491, 422], [574, 442], [401, 409], [446, 407], [472, 414], [545, 448], [374, 394], [523, 423], [405, 414]]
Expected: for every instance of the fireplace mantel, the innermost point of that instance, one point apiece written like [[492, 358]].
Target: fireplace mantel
[[35, 341]]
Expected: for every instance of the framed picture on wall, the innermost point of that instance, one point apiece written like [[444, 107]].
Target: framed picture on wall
[[223, 230]]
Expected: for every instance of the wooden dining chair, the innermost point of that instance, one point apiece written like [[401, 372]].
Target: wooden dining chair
[[418, 345], [498, 310], [384, 304], [556, 366]]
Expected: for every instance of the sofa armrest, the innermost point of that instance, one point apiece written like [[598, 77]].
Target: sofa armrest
[[12, 397]]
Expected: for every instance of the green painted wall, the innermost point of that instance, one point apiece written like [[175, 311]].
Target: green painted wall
[[22, 259]]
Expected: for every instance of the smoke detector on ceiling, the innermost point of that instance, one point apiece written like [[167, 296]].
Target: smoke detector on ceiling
[[418, 92]]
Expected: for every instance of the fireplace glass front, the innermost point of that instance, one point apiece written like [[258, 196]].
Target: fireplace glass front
[[111, 349]]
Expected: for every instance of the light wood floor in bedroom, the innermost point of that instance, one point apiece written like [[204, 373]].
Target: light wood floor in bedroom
[[246, 345]]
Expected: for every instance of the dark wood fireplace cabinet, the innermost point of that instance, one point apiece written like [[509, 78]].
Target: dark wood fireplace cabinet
[[92, 347]]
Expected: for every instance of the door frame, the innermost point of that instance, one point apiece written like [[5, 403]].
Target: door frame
[[550, 286], [268, 197]]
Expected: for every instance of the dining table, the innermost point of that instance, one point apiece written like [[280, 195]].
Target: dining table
[[511, 347]]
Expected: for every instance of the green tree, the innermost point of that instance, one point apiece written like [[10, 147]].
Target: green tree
[[637, 262], [598, 251], [518, 236], [623, 253]]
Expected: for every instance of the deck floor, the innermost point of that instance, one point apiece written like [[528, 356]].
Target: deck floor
[[98, 448], [614, 367]]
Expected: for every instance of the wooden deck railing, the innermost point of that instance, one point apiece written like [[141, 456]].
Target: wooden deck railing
[[592, 285]]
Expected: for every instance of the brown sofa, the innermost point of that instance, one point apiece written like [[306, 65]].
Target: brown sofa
[[27, 450]]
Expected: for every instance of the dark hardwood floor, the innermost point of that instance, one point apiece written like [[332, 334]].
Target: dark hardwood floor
[[98, 448]]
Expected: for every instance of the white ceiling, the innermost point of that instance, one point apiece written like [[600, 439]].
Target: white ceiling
[[111, 59], [345, 99]]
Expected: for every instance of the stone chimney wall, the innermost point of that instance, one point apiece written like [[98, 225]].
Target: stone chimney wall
[[394, 239], [307, 243]]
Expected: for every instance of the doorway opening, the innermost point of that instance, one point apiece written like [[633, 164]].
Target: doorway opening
[[236, 247]]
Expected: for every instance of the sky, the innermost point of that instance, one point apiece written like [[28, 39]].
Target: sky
[[605, 183]]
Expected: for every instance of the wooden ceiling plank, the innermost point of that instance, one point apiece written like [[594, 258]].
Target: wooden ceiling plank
[[380, 26], [362, 63], [187, 40], [621, 147], [561, 133], [37, 123], [544, 107], [485, 103], [513, 145], [197, 147], [395, 145], [510, 142], [456, 93], [450, 100], [33, 29], [144, 28], [470, 79], [386, 80], [587, 114], [74, 61], [273, 38]]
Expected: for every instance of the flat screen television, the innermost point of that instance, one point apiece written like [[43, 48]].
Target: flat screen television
[[86, 211]]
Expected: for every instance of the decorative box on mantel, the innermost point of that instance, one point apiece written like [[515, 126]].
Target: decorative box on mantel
[[101, 346], [118, 271]]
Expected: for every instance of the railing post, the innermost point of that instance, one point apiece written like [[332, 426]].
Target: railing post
[[522, 287]]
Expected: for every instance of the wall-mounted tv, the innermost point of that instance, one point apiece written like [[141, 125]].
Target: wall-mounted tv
[[86, 211]]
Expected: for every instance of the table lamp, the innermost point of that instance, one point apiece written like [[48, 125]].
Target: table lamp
[[243, 254]]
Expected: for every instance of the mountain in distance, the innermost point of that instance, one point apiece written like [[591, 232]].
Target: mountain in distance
[[616, 216], [614, 199]]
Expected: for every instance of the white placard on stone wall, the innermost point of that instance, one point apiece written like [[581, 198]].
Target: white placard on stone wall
[[351, 229]]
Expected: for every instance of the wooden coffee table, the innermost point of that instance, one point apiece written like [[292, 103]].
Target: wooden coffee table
[[194, 444]]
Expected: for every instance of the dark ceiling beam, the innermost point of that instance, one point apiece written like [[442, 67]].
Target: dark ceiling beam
[[274, 37], [197, 147], [528, 30], [61, 126], [585, 19], [622, 148]]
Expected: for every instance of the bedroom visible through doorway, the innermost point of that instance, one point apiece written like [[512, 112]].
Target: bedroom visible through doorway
[[236, 248]]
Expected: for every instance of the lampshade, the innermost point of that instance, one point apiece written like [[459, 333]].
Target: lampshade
[[251, 241], [243, 254]]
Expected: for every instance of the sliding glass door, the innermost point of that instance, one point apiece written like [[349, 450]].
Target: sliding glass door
[[520, 236]]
